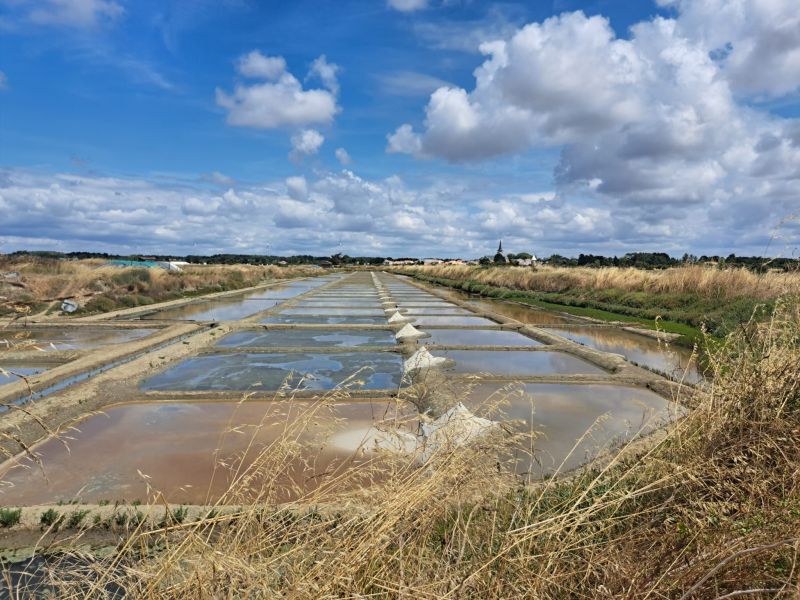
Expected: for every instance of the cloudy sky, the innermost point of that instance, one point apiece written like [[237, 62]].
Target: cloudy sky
[[400, 127]]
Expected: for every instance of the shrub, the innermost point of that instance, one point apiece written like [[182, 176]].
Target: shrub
[[51, 518], [100, 304], [76, 518], [10, 516]]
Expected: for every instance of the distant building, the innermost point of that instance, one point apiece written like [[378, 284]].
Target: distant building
[[431, 261], [500, 256]]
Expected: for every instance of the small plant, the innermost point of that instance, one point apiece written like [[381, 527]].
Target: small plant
[[76, 518], [10, 516], [120, 519], [51, 518]]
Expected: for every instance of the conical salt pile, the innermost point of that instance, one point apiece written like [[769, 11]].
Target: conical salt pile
[[398, 318], [409, 332], [422, 360], [457, 427]]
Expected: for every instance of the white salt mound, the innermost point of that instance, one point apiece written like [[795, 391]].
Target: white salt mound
[[409, 332]]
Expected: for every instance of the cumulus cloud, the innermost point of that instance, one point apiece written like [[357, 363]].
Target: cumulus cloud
[[297, 188], [305, 143], [408, 5], [278, 99], [756, 42], [326, 72], [652, 125], [385, 216], [343, 157]]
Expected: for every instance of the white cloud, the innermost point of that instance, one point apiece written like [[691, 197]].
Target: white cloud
[[305, 143], [404, 141], [297, 188], [256, 65], [757, 42], [74, 13], [278, 101], [651, 125], [343, 157], [408, 5], [69, 212], [326, 72]]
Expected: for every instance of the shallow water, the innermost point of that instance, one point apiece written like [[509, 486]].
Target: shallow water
[[517, 362], [73, 338], [478, 337], [523, 314], [268, 372], [467, 321], [10, 372], [216, 310], [438, 310], [330, 320], [366, 312], [174, 445], [286, 338], [674, 361], [562, 414]]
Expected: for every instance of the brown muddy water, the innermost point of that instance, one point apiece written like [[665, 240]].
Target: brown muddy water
[[674, 361], [517, 362], [563, 426], [171, 446], [189, 452]]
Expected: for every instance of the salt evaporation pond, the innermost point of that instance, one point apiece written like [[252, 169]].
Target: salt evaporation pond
[[478, 337], [11, 373], [286, 338], [674, 361], [68, 338], [518, 362], [175, 446], [570, 424], [269, 372]]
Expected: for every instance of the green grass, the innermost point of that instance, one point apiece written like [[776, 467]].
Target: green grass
[[582, 303]]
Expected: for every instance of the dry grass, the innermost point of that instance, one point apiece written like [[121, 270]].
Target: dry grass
[[693, 279], [711, 509], [43, 281]]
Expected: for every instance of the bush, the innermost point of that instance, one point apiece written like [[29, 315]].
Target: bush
[[132, 277], [51, 518], [100, 304], [10, 516], [76, 518]]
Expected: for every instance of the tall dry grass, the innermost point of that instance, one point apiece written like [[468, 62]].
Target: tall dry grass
[[691, 279], [46, 280], [709, 509]]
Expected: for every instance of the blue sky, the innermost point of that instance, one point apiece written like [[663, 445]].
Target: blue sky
[[399, 127]]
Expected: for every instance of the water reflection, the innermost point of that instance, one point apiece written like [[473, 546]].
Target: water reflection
[[554, 419], [268, 372], [71, 338], [174, 445], [672, 360]]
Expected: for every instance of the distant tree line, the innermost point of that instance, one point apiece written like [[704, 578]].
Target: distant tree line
[[662, 260], [224, 259], [640, 260]]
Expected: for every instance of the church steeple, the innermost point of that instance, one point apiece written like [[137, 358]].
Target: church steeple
[[500, 256]]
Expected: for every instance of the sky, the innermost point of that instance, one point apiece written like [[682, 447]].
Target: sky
[[400, 127]]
